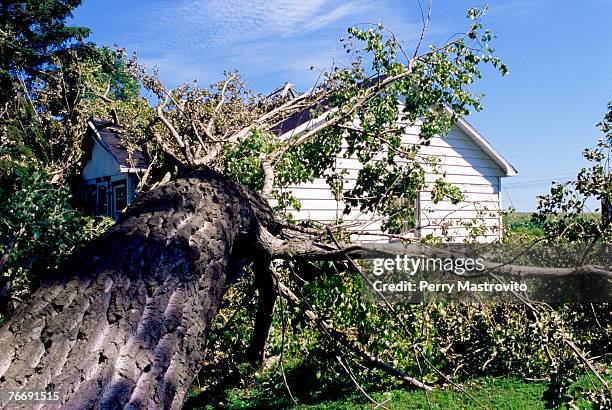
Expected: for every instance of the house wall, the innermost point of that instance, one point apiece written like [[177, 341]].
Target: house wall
[[103, 169], [132, 184], [465, 165], [478, 177], [101, 164], [109, 183]]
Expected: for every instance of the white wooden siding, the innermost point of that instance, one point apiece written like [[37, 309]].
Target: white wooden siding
[[463, 163], [101, 164], [478, 177]]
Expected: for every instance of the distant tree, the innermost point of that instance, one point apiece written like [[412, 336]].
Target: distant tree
[[51, 82], [564, 213], [42, 134], [606, 144]]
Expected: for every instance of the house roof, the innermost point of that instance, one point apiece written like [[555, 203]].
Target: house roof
[[295, 120], [486, 146], [110, 137], [301, 120]]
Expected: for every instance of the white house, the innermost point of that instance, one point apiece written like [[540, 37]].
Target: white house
[[110, 176], [465, 159]]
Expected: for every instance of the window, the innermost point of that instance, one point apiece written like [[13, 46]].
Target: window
[[102, 208], [89, 200], [120, 197]]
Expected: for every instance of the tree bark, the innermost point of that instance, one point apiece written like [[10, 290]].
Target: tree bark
[[265, 310], [126, 326]]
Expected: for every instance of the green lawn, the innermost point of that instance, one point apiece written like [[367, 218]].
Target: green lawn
[[486, 393]]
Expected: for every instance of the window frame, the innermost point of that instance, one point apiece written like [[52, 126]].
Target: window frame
[[117, 184]]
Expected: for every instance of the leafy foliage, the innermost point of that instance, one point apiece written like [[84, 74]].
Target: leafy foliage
[[39, 230], [365, 106], [32, 35], [368, 104], [44, 127], [52, 82], [563, 212], [462, 342]]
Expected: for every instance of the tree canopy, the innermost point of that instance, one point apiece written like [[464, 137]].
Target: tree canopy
[[32, 34]]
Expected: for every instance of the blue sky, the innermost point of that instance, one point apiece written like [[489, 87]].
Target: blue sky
[[540, 117]]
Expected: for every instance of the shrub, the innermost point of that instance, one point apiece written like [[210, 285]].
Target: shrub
[[39, 229]]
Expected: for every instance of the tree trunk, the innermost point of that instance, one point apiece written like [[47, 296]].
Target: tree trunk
[[126, 327], [606, 212], [263, 315]]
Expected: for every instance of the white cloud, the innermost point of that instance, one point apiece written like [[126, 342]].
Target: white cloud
[[344, 10], [263, 16], [219, 22], [179, 66], [269, 40]]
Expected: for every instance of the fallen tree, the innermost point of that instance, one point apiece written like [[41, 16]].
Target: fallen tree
[[125, 324]]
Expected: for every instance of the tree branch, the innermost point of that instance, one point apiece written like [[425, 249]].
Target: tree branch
[[310, 249], [174, 132], [347, 343], [265, 308], [111, 103], [268, 173], [211, 121], [424, 28], [369, 94]]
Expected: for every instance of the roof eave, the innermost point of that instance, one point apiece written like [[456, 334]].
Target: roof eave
[[479, 140], [98, 139], [311, 125], [508, 169]]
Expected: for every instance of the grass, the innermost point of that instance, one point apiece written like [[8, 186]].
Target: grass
[[268, 391], [489, 393], [318, 387], [519, 226], [315, 388]]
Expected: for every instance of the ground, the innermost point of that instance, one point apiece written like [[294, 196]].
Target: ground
[[491, 393]]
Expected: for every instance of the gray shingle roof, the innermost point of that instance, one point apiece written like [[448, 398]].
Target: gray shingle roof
[[293, 121], [111, 136], [302, 117]]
